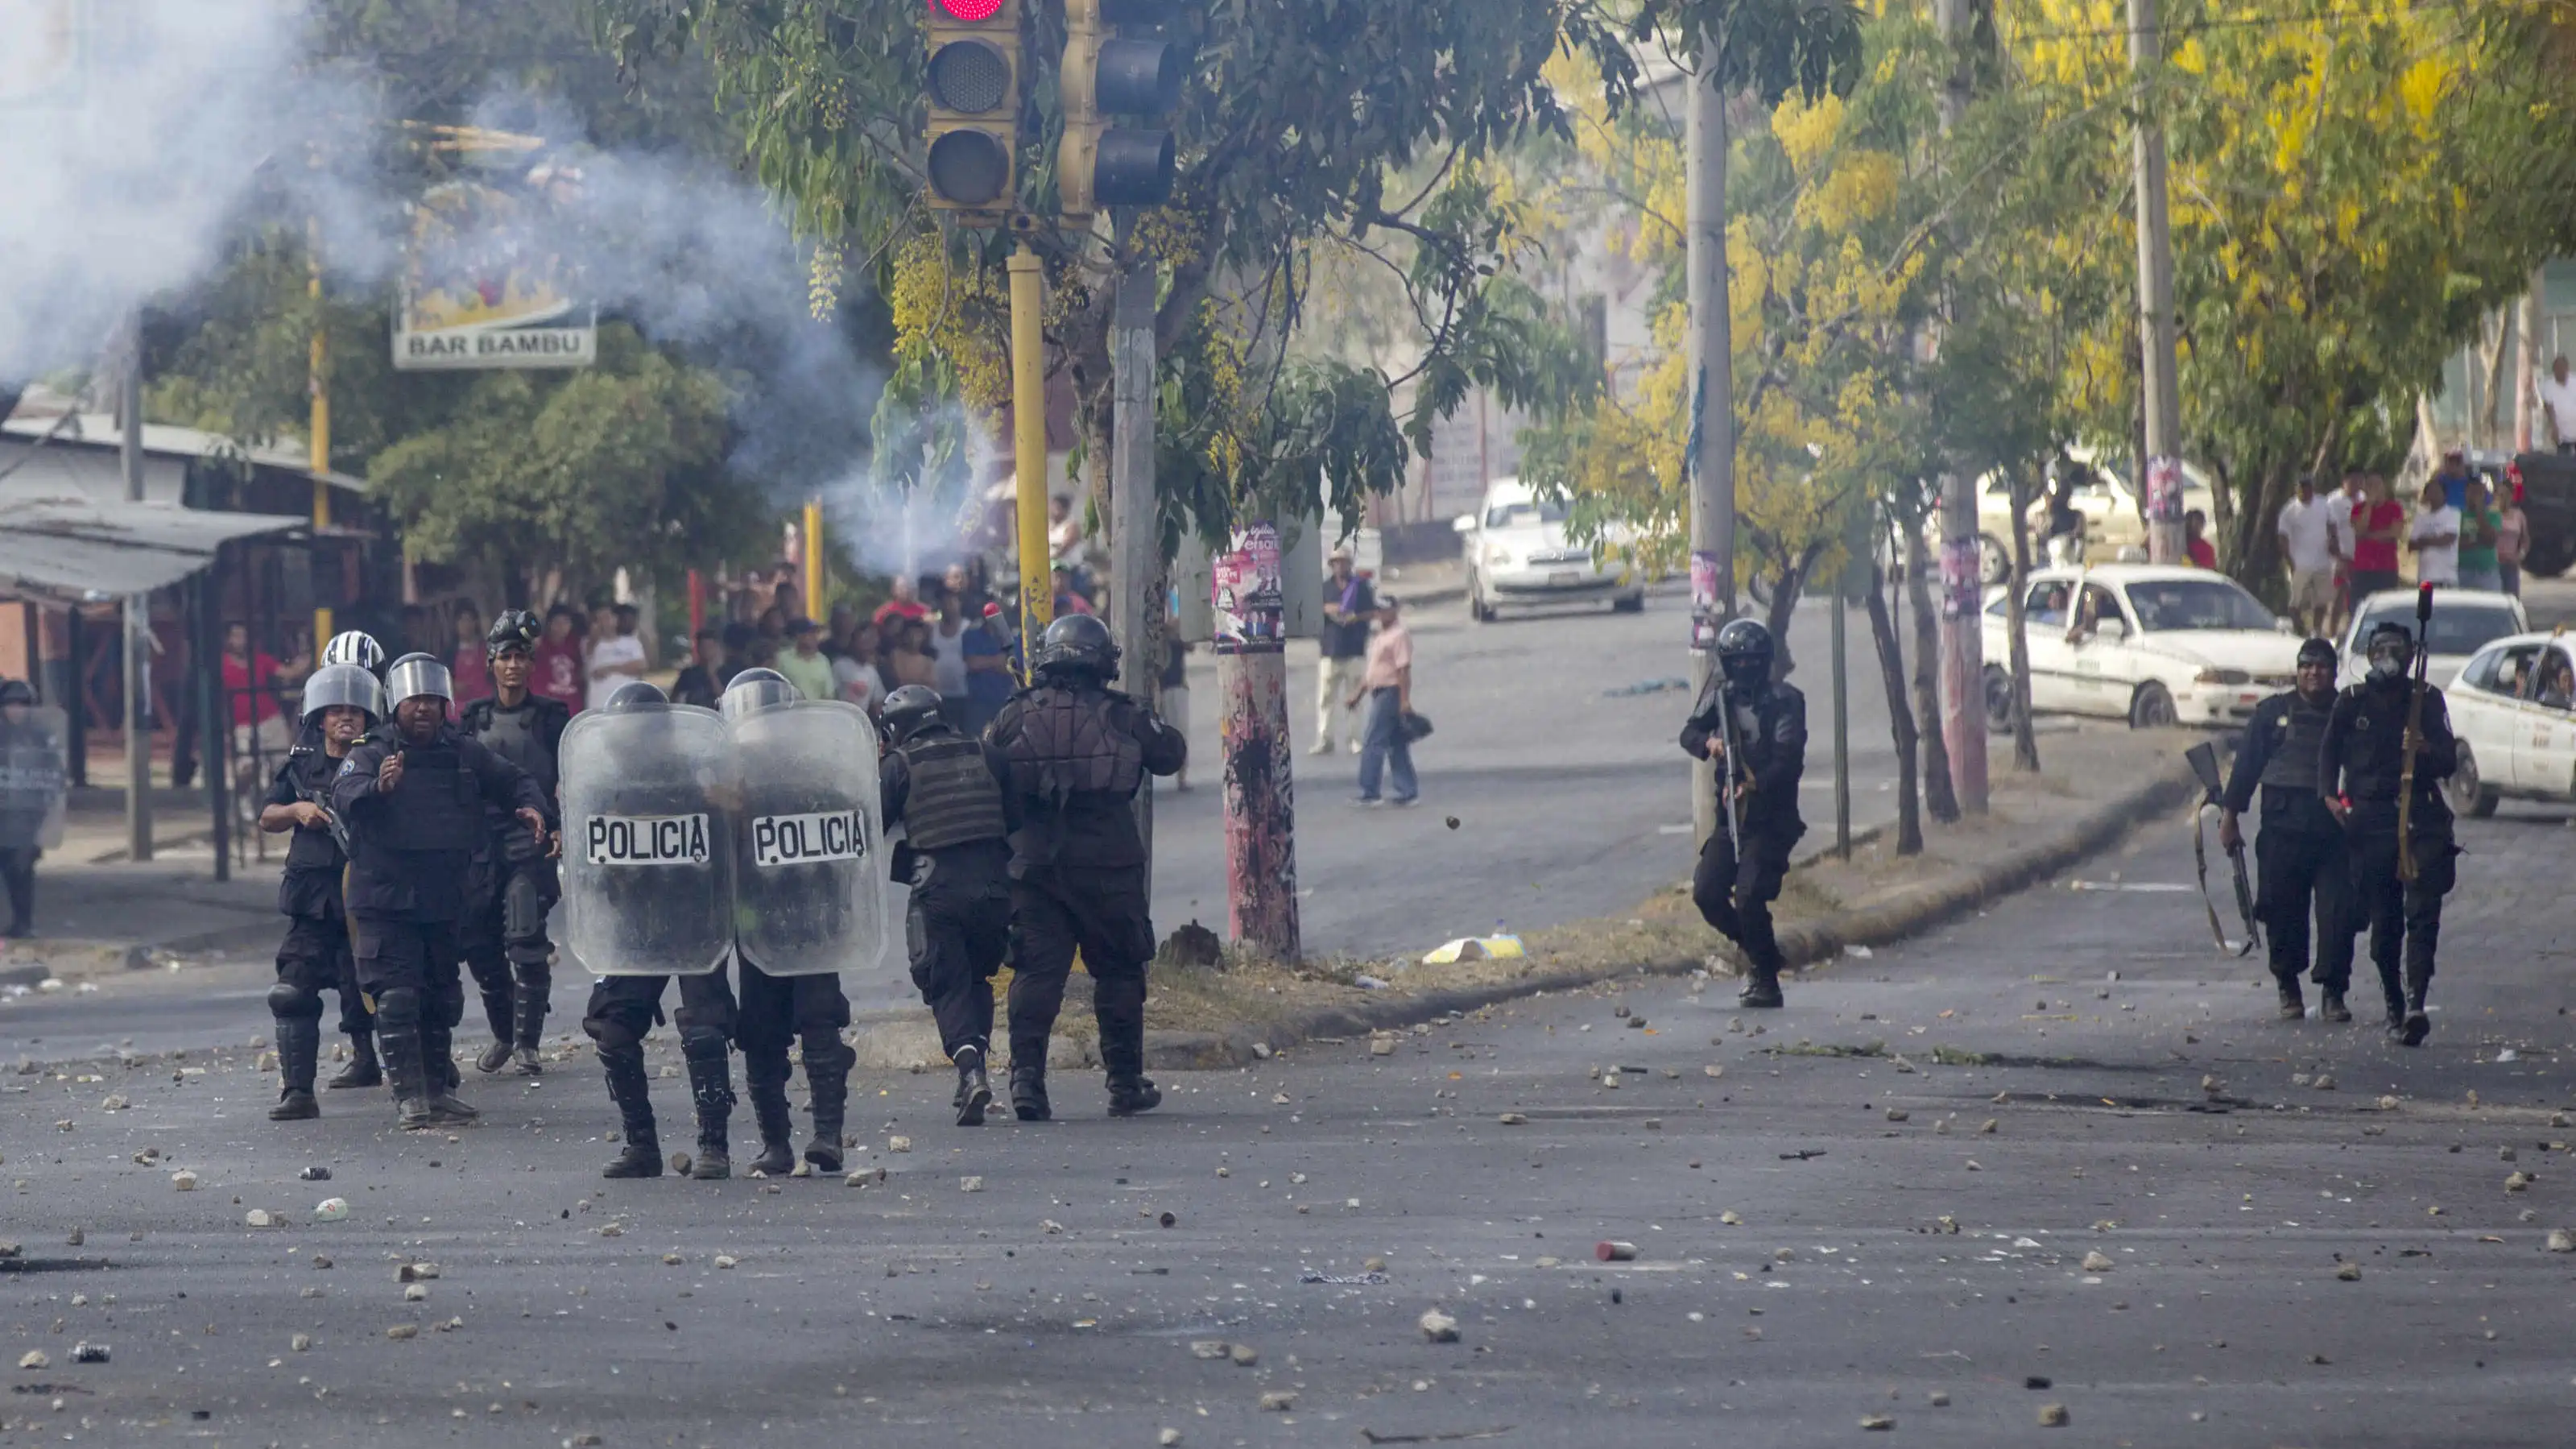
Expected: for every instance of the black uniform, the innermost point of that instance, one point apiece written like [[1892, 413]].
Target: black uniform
[[2299, 855], [315, 956], [952, 797], [31, 781], [808, 1008], [1077, 753], [1734, 892], [504, 932], [411, 853], [2362, 760]]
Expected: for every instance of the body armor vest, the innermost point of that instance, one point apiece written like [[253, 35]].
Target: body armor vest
[[312, 848], [2296, 744], [954, 800], [512, 734], [439, 805], [1066, 747]]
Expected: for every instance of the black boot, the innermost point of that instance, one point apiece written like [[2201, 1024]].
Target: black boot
[[769, 1109], [631, 1090], [1131, 1093], [828, 1081], [1761, 989], [299, 1048], [528, 1028], [975, 1087], [2334, 1009], [438, 1046], [2294, 1003], [496, 1010], [1119, 1006], [1029, 1093], [406, 1072], [2419, 1023], [711, 1092], [362, 1070]]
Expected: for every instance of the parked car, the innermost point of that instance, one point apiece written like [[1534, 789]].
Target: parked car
[[2513, 707], [2114, 518], [1517, 554], [2547, 482], [2152, 644], [2464, 622]]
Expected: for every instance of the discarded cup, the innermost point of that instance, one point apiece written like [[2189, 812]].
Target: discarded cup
[[331, 1210], [1610, 1252]]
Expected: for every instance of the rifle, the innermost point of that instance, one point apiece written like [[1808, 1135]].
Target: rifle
[[1734, 764], [2414, 738], [2204, 763]]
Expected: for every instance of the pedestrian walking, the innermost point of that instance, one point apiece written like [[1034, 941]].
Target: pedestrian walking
[[2481, 538], [2299, 855], [951, 794], [2362, 772], [1744, 862], [2307, 546], [2434, 538], [2344, 536], [412, 800], [1386, 741], [1350, 604], [515, 886], [2513, 539], [1078, 752]]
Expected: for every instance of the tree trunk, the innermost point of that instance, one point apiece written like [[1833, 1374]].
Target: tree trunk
[[2025, 740], [1783, 609], [2526, 365], [1938, 793], [2494, 421], [1900, 716]]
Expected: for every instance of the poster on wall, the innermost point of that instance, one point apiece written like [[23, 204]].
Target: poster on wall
[[485, 286], [1251, 604]]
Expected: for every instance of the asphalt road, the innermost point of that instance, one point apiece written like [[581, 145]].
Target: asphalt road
[[1573, 799], [1796, 1267]]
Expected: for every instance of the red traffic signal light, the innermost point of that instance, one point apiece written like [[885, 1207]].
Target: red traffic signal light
[[974, 93], [969, 11]]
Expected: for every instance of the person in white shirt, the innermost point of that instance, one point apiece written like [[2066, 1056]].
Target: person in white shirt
[[2307, 541], [2342, 536], [2435, 538], [2558, 406], [616, 655]]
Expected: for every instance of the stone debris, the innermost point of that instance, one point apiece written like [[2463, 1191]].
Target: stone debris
[[403, 1331], [1612, 1252], [114, 1104], [2561, 1241], [1877, 1422], [898, 1144], [2388, 1104], [300, 1342], [331, 1210], [1244, 1355], [416, 1273], [672, 1260], [1170, 1437], [1713, 1070], [1439, 1327], [184, 1180], [1209, 1348], [1731, 1218], [726, 1260], [1991, 1124], [1940, 1400], [262, 1218], [315, 1174], [2054, 1416], [35, 1358], [2349, 1272], [2323, 1083], [970, 1184], [1513, 1119], [1897, 1114], [1050, 1227], [2098, 1261], [87, 1352], [415, 1293], [1278, 1401], [1381, 1044], [862, 1177], [2517, 1182]]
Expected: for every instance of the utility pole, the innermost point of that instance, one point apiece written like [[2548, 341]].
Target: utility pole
[[1029, 445], [318, 382], [138, 611], [1711, 461], [1260, 790], [2526, 364], [1963, 644], [2163, 405], [1135, 537]]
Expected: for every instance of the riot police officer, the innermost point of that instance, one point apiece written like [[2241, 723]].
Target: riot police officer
[[341, 703], [33, 771], [658, 773], [2299, 853], [354, 646], [951, 795], [2361, 767], [412, 800], [792, 906], [505, 926], [1742, 866], [1078, 751]]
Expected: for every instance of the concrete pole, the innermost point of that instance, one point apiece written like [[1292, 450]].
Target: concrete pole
[[2163, 405], [1260, 803], [318, 382], [1842, 721], [138, 613], [1963, 645], [1029, 444], [1135, 535], [2526, 364], [1712, 460]]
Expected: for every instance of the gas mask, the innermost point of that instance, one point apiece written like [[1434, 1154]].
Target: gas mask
[[2389, 660]]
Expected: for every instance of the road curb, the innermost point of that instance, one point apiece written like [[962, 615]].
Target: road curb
[[1934, 903]]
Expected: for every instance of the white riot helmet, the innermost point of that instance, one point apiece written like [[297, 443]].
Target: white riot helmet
[[414, 675], [354, 647], [344, 684]]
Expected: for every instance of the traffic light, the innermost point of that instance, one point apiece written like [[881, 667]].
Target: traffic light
[[1105, 74], [974, 105]]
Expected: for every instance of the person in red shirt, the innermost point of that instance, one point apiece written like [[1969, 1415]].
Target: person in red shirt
[[2378, 522], [906, 603], [2195, 541], [469, 665], [556, 671]]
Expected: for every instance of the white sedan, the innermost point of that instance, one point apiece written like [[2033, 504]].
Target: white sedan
[[2513, 707], [2147, 643], [1517, 553], [2464, 621]]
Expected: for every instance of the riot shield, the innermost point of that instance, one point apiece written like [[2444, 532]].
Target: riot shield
[[811, 893], [648, 857], [33, 771]]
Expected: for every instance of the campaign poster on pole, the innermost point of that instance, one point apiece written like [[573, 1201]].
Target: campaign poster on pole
[[1251, 602]]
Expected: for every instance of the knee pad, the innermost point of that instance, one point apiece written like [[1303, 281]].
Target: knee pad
[[699, 1042], [613, 1033], [289, 1002], [399, 1009], [825, 1051]]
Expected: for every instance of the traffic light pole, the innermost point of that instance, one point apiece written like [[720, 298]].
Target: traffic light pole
[[1029, 446], [1135, 534]]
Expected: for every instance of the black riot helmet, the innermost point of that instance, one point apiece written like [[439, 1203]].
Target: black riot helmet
[[2391, 651], [638, 697], [1076, 644], [910, 710], [2318, 651], [1744, 651], [755, 690], [514, 629]]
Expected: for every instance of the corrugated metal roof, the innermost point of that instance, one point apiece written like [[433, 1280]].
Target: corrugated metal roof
[[71, 549], [32, 422]]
